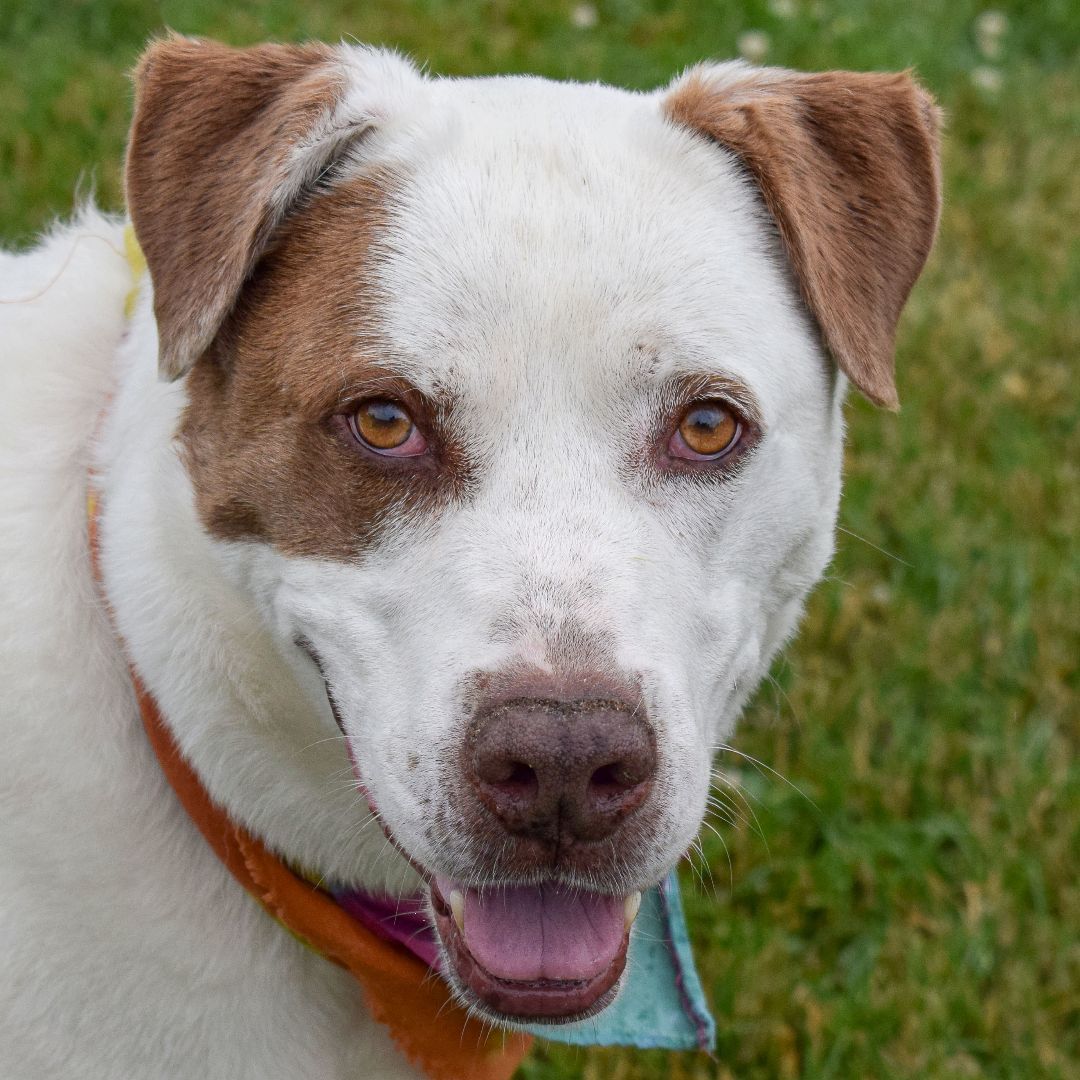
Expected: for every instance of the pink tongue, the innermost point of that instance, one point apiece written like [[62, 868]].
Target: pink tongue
[[525, 933]]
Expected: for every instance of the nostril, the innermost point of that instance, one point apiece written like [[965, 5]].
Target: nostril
[[522, 778], [613, 780], [607, 780], [510, 779]]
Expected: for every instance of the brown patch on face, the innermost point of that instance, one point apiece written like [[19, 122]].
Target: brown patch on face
[[208, 164], [848, 165], [265, 444]]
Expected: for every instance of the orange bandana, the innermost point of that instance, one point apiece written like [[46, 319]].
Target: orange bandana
[[432, 1030]]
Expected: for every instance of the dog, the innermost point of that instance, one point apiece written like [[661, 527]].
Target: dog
[[463, 457]]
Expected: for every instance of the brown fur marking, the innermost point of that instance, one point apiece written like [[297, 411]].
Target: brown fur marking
[[265, 443], [848, 165], [209, 146]]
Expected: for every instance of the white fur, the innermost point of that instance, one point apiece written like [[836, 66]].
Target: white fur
[[557, 252]]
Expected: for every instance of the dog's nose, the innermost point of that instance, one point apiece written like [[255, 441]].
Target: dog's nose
[[560, 771]]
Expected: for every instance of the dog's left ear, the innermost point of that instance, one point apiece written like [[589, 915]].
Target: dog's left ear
[[848, 165]]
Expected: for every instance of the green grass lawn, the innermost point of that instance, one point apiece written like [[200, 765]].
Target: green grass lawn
[[905, 902]]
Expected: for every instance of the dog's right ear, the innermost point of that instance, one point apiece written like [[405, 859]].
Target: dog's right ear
[[223, 144]]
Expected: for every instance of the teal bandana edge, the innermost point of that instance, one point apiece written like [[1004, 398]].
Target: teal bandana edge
[[661, 1004]]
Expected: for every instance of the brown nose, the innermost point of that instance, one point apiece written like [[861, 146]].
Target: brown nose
[[560, 771]]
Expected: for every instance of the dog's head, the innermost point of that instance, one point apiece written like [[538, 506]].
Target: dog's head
[[515, 407]]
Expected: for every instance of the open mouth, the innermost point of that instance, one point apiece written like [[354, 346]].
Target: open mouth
[[543, 953], [539, 953]]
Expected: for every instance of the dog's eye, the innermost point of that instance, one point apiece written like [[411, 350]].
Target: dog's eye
[[387, 428], [708, 431]]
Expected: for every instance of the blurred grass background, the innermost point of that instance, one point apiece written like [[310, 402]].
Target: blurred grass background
[[913, 908]]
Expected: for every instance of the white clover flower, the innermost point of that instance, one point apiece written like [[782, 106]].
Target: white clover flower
[[986, 78], [992, 23], [783, 9], [990, 29], [584, 16], [753, 45], [881, 594]]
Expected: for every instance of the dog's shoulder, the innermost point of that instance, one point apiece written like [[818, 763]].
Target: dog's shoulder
[[61, 321]]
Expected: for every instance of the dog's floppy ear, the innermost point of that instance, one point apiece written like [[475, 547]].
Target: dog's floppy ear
[[224, 142], [848, 165]]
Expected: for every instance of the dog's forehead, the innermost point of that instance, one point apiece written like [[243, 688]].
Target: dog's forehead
[[572, 230]]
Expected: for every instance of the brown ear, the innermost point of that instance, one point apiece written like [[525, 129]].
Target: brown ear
[[848, 164], [223, 142]]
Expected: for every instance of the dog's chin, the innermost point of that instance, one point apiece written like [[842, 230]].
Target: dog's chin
[[533, 953]]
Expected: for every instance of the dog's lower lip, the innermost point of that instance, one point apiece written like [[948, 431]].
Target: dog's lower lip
[[544, 1000]]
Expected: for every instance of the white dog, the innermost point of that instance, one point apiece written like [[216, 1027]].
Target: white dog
[[503, 414]]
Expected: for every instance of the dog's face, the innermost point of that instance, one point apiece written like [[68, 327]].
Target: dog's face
[[508, 410]]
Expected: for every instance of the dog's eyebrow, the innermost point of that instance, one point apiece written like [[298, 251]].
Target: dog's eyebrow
[[380, 358], [357, 378], [373, 381], [684, 373], [689, 386]]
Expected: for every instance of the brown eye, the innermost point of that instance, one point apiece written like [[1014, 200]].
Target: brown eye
[[386, 427], [707, 430]]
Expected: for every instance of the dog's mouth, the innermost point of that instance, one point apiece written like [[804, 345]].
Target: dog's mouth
[[540, 952], [544, 953]]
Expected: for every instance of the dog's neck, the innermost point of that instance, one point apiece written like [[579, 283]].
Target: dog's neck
[[247, 708]]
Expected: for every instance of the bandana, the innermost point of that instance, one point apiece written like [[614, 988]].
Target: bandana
[[389, 944]]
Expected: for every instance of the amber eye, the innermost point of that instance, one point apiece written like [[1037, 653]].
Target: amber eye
[[387, 428], [708, 429]]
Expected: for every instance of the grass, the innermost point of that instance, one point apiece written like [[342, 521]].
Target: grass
[[915, 910]]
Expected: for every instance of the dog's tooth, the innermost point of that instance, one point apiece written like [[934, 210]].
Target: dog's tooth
[[631, 907], [457, 908]]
